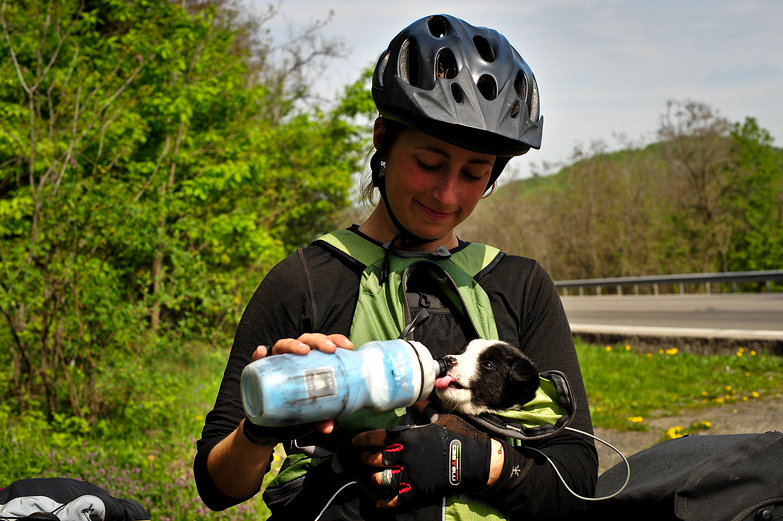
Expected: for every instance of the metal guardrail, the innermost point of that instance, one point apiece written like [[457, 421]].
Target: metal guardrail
[[732, 277]]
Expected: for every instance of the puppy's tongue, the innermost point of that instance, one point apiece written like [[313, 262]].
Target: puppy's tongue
[[443, 381]]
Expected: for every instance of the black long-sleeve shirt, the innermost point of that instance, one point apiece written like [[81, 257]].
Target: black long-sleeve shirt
[[315, 290]]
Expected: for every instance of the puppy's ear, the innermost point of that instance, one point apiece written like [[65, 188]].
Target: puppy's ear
[[523, 376], [523, 368]]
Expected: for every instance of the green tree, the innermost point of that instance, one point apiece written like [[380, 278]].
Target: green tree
[[695, 144], [63, 87], [756, 199], [155, 161]]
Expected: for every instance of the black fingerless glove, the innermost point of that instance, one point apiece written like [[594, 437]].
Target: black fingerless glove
[[443, 458]]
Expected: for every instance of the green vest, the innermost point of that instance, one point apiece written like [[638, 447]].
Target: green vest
[[382, 313]]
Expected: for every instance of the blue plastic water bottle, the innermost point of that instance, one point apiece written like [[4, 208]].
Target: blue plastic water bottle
[[289, 389]]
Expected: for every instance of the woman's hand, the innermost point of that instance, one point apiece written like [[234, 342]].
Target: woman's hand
[[302, 346], [419, 462]]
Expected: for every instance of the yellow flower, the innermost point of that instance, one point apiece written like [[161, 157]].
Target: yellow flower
[[608, 348], [674, 432], [635, 419], [728, 388], [672, 351], [755, 394], [627, 347], [753, 353]]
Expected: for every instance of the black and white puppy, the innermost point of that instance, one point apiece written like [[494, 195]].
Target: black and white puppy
[[487, 375]]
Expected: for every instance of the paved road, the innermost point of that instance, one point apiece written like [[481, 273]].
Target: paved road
[[760, 314]]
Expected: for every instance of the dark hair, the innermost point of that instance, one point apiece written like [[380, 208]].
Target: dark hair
[[393, 129]]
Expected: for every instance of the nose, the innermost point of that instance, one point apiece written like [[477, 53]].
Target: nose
[[446, 189]]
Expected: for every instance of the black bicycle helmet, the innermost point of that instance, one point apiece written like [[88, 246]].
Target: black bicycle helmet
[[463, 84]]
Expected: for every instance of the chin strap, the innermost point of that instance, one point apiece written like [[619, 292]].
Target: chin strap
[[406, 238], [378, 167]]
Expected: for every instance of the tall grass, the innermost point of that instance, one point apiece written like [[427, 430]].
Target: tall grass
[[624, 385], [145, 452]]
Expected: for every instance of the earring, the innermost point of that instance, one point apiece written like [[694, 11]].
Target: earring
[[382, 169]]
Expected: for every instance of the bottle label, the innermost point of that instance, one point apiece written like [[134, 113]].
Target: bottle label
[[320, 382]]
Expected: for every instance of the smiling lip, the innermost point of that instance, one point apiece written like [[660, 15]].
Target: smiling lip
[[434, 214]]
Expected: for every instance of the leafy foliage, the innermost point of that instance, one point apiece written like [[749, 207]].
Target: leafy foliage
[[755, 200], [144, 452], [154, 163]]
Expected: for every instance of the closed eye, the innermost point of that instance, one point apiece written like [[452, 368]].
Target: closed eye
[[472, 177], [429, 167]]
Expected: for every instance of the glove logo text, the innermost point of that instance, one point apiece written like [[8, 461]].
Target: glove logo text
[[455, 462]]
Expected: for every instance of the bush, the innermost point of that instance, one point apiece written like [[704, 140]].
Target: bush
[[143, 450]]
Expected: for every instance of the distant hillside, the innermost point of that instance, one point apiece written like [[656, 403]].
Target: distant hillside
[[697, 202]]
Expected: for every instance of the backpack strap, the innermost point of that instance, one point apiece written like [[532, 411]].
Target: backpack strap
[[471, 259], [381, 310], [354, 246]]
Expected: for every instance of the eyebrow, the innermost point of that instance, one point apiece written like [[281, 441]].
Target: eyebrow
[[440, 151]]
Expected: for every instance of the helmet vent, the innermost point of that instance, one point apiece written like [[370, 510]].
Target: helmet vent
[[533, 104], [487, 87], [446, 64], [456, 91], [438, 26], [467, 85], [381, 68], [409, 62], [515, 110], [520, 85], [484, 48]]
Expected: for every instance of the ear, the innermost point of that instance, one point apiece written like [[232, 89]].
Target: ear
[[378, 132], [524, 375]]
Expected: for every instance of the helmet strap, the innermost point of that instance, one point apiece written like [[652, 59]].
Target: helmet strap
[[406, 238]]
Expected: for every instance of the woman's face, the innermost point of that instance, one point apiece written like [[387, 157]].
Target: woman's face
[[432, 186]]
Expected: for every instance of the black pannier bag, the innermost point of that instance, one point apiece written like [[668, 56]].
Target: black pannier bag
[[65, 499], [727, 477]]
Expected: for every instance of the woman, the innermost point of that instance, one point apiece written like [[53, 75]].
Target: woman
[[456, 103]]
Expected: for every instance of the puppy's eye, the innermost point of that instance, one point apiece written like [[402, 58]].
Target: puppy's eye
[[488, 366]]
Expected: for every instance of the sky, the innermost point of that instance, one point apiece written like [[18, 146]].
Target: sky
[[606, 69]]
